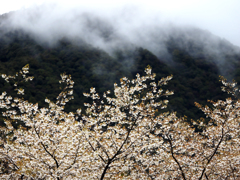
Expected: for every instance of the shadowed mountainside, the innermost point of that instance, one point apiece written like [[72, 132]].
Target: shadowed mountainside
[[195, 63]]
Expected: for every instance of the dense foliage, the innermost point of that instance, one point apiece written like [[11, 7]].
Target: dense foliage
[[195, 76], [125, 135]]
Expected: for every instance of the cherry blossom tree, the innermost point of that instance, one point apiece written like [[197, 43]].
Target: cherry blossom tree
[[121, 128], [210, 154], [121, 136], [50, 145]]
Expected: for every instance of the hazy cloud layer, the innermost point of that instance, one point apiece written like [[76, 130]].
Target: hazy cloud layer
[[221, 17], [107, 28], [123, 27]]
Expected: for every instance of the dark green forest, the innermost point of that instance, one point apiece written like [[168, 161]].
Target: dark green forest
[[195, 77]]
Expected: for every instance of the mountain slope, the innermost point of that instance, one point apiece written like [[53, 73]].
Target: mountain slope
[[194, 65]]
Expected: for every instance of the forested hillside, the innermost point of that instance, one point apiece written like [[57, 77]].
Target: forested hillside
[[195, 71]]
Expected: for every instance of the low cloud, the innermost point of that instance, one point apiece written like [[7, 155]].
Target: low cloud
[[117, 27]]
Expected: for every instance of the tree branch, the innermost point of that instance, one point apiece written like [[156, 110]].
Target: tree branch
[[175, 159], [214, 152]]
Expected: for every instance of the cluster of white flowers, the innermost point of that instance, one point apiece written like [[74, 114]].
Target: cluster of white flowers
[[120, 137]]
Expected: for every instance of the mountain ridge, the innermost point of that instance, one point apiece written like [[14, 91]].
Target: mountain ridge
[[195, 70]]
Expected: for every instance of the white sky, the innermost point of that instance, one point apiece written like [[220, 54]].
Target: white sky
[[221, 17]]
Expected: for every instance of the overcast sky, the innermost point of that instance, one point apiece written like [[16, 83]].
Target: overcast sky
[[220, 17]]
